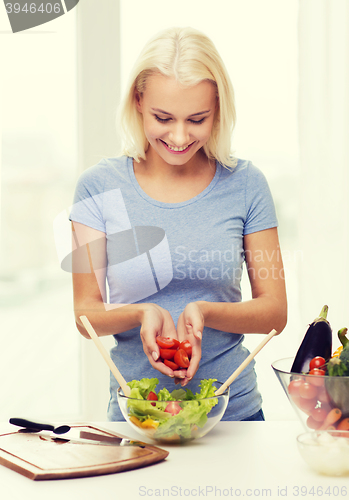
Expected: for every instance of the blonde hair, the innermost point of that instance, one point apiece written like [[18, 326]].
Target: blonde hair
[[190, 57]]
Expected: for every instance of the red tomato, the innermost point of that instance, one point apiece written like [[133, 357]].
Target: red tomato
[[167, 353], [186, 345], [167, 342], [173, 408], [322, 396], [171, 364], [312, 423], [343, 425], [294, 385], [318, 381], [319, 414], [307, 405], [317, 362], [152, 397], [307, 391], [181, 358]]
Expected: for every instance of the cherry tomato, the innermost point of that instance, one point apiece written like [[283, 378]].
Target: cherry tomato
[[181, 358], [319, 414], [312, 423], [171, 364], [317, 362], [152, 397], [186, 345], [307, 391], [343, 425], [167, 353], [294, 385], [173, 408], [323, 396], [307, 405], [318, 381], [167, 342]]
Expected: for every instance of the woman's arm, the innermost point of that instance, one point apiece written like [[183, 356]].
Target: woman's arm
[[89, 290], [268, 307], [266, 310]]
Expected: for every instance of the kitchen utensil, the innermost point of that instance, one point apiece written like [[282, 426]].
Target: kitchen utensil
[[243, 365], [90, 330], [72, 437], [37, 457], [36, 426]]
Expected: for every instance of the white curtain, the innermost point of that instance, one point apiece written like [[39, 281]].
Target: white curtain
[[324, 151]]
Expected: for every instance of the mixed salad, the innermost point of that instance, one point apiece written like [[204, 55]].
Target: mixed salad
[[170, 415]]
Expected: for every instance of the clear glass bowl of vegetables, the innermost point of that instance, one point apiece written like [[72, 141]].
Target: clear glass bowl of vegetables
[[320, 401], [159, 409], [316, 380]]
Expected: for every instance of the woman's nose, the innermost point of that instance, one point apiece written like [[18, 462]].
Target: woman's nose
[[179, 135]]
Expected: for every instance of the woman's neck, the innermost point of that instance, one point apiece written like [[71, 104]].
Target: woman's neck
[[174, 183]]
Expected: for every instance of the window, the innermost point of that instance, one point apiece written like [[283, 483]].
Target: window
[[39, 355]]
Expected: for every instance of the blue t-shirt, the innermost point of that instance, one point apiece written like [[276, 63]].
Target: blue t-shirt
[[175, 253]]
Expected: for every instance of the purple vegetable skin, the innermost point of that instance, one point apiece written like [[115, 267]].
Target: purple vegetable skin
[[317, 342]]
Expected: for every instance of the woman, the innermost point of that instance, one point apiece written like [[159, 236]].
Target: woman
[[169, 224]]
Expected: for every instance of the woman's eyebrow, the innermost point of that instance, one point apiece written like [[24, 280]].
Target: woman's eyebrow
[[169, 114]]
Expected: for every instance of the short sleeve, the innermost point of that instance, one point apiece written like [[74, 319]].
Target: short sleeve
[[260, 208], [87, 207]]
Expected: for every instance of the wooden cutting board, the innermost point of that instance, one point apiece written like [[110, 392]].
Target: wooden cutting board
[[38, 457]]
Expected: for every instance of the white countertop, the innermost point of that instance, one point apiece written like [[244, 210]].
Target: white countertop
[[236, 459]]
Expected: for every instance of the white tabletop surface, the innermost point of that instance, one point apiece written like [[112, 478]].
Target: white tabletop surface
[[236, 459]]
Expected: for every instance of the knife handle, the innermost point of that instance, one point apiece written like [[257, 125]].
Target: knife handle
[[28, 424]]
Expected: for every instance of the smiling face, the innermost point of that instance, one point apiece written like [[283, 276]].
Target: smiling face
[[177, 121]]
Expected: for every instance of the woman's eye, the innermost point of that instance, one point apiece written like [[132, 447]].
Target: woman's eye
[[198, 121], [161, 120], [165, 120]]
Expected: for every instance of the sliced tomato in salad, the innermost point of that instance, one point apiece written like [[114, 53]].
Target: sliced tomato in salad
[[152, 397], [173, 408]]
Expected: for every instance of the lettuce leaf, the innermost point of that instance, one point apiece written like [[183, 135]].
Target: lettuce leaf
[[144, 386], [193, 414], [164, 395]]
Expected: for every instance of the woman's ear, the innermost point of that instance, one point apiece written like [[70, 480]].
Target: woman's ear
[[138, 101]]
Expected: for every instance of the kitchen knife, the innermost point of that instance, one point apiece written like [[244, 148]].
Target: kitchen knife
[[84, 437]]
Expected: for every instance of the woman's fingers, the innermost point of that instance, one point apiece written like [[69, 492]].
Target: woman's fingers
[[189, 327], [195, 358], [156, 322]]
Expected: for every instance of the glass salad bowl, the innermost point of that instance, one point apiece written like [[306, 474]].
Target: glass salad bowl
[[320, 402], [173, 413], [326, 452]]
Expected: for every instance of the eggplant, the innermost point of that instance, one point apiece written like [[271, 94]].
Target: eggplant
[[316, 342]]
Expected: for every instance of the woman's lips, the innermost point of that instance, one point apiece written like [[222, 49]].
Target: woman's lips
[[176, 152]]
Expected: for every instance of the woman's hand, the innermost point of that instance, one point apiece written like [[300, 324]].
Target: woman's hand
[[155, 322], [190, 326]]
